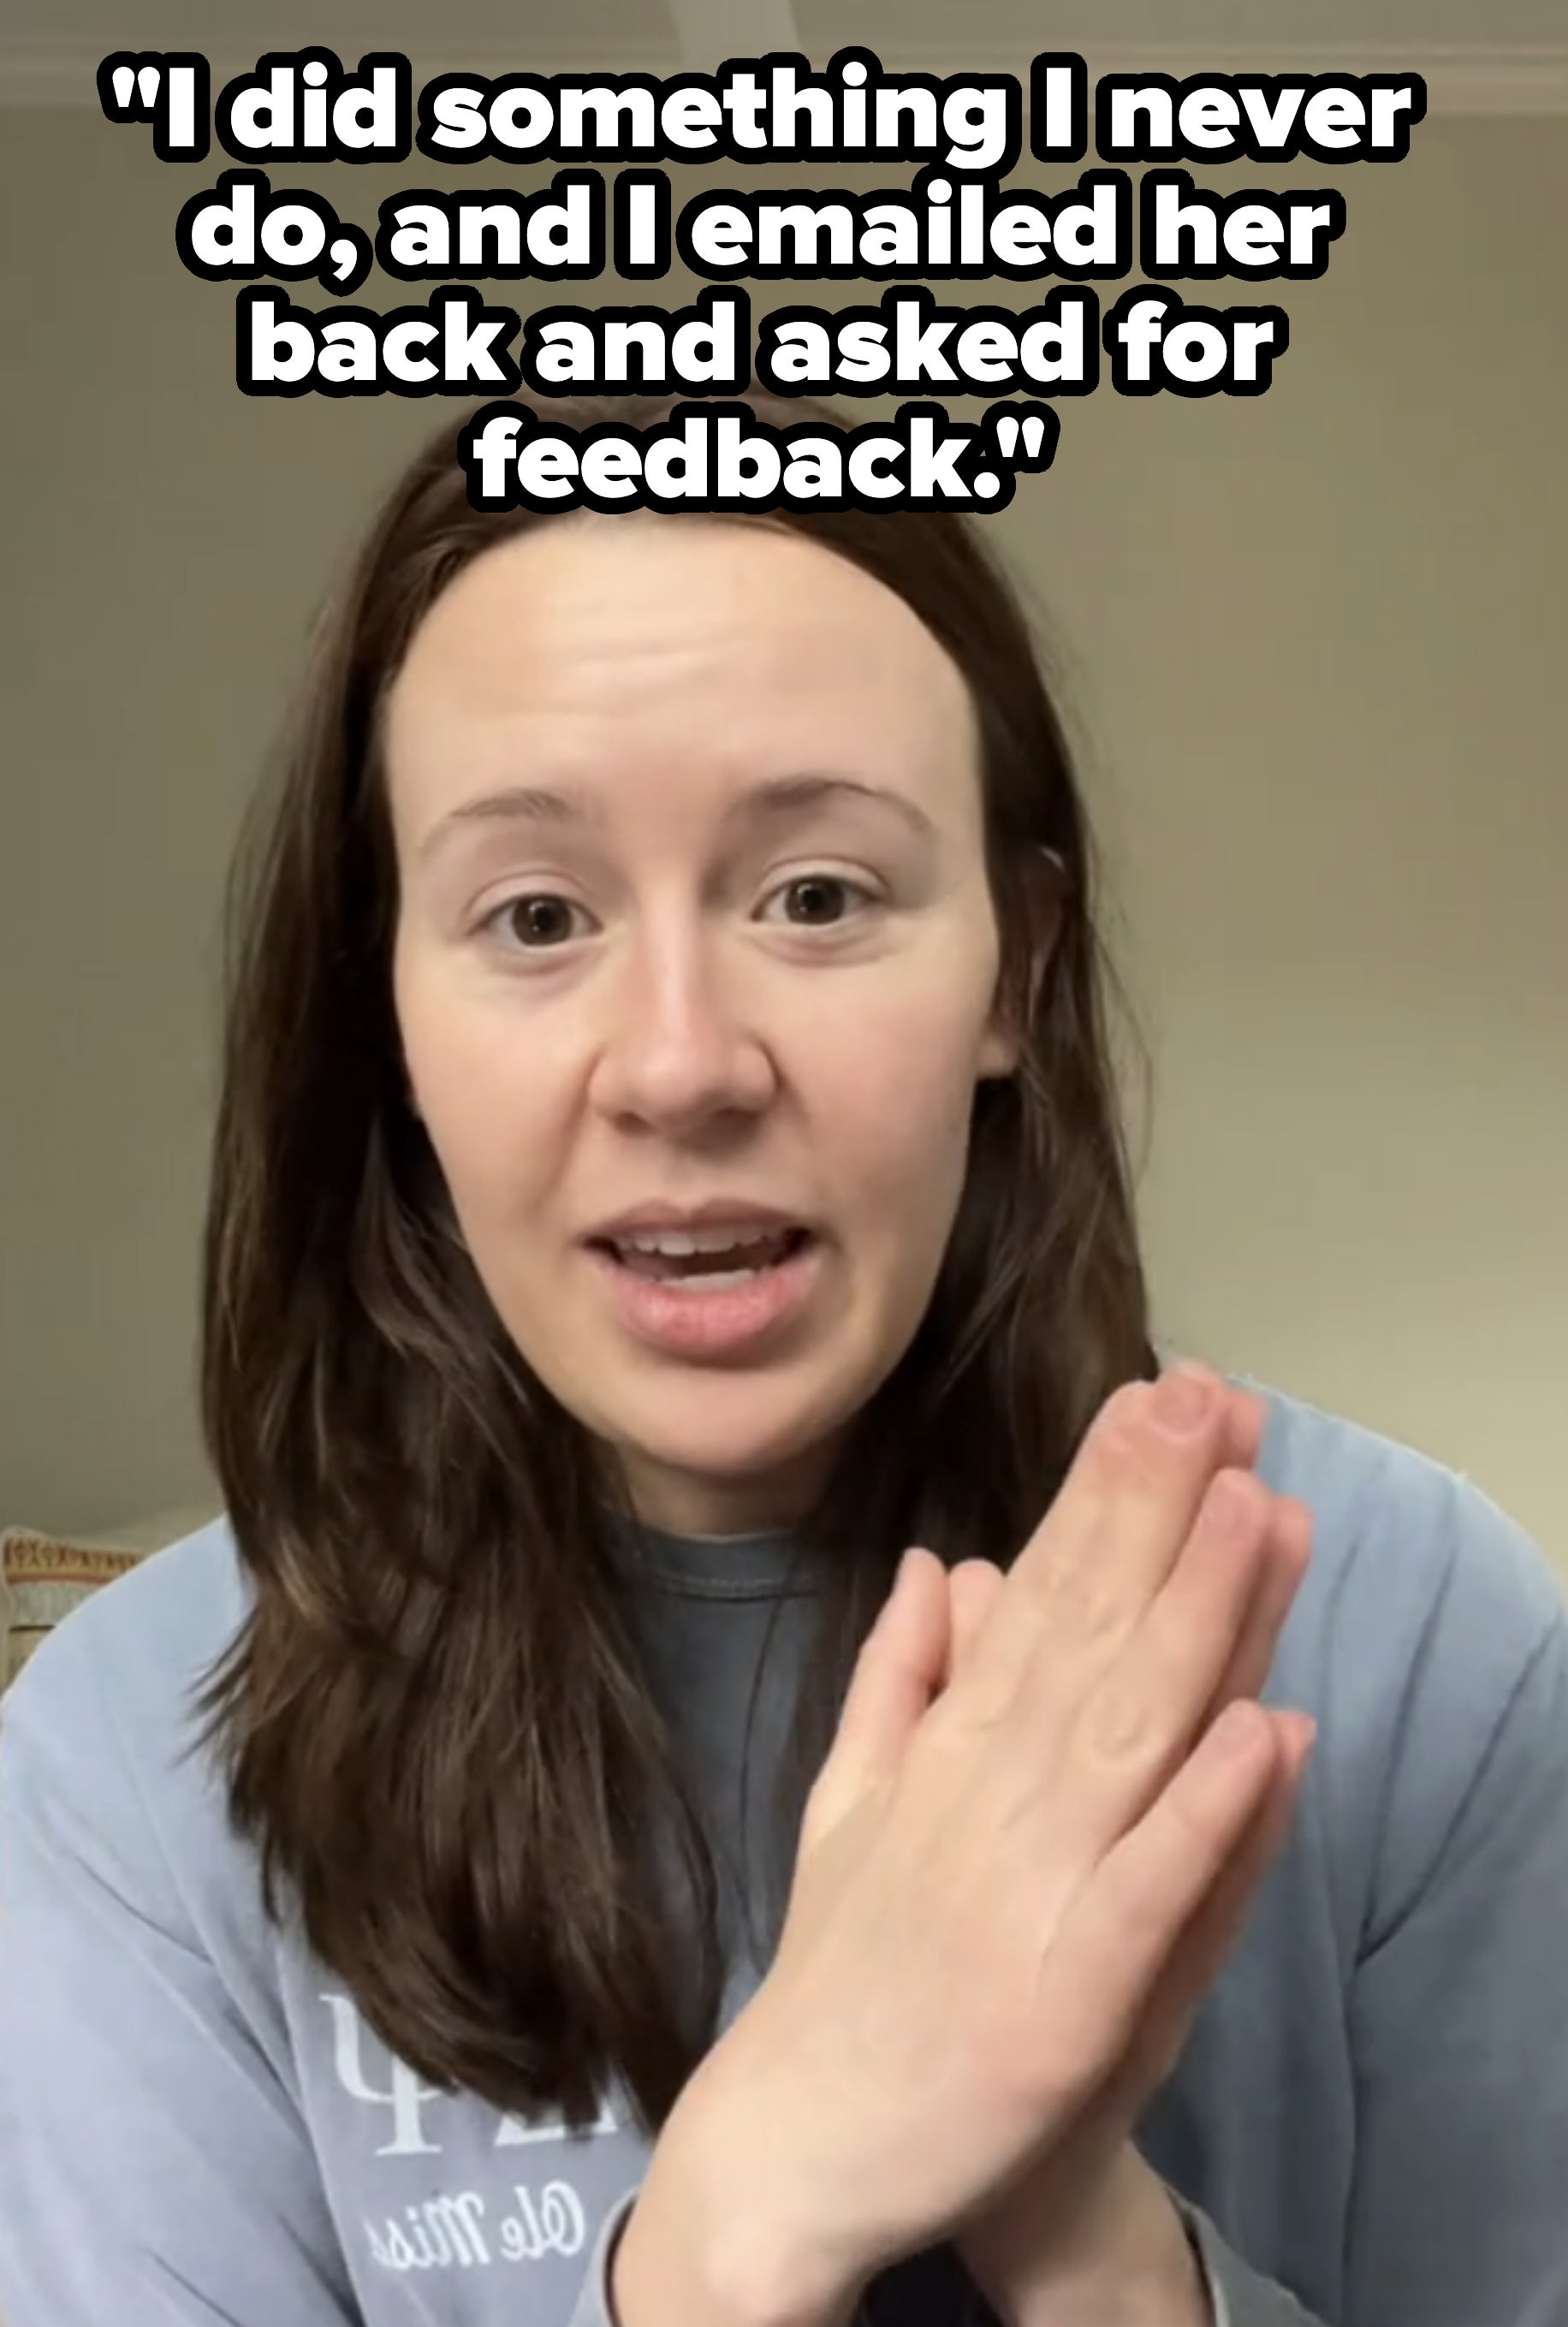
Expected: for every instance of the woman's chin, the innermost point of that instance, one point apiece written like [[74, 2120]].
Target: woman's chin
[[723, 1484]]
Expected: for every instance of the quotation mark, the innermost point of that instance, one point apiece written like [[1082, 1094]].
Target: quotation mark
[[144, 82], [1010, 430], [1024, 435]]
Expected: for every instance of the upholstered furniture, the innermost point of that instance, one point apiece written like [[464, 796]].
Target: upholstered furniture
[[45, 1573]]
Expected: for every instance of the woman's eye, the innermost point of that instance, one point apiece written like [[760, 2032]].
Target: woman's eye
[[818, 885], [537, 917]]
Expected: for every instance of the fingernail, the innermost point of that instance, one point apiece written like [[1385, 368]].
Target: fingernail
[[1181, 1402]]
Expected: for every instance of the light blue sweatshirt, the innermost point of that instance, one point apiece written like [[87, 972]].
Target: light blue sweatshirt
[[1370, 2119]]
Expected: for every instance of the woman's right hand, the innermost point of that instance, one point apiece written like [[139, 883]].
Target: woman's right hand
[[989, 1886]]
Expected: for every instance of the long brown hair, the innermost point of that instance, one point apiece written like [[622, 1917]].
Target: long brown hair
[[432, 1721]]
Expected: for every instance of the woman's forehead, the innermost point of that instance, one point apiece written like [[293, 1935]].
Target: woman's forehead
[[618, 594], [578, 644]]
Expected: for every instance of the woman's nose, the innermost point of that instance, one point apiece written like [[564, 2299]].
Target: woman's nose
[[684, 1040]]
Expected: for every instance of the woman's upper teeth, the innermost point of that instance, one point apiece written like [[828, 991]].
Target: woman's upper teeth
[[676, 1242]]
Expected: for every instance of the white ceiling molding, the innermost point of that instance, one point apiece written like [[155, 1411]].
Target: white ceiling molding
[[41, 69]]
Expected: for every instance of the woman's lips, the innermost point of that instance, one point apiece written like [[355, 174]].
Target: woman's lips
[[682, 1316]]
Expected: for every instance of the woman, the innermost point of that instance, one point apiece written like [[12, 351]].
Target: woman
[[499, 1873]]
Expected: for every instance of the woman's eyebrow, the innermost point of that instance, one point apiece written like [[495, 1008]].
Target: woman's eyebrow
[[774, 797]]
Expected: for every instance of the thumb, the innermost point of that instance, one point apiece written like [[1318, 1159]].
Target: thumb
[[901, 1667]]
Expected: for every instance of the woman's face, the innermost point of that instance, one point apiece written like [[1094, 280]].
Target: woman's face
[[742, 955]]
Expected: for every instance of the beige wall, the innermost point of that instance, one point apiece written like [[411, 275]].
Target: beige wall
[[1312, 644]]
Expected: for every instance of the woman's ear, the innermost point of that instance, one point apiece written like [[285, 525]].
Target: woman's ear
[[1002, 1046]]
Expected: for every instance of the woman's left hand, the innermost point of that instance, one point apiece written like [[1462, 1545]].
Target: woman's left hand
[[1093, 2234]]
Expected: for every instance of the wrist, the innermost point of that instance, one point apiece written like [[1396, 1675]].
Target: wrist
[[1157, 2282], [696, 2250], [1128, 2260]]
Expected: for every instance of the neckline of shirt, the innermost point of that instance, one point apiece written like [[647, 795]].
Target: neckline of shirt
[[751, 1566]]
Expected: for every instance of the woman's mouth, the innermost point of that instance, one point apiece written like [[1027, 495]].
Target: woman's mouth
[[712, 1270], [708, 1303]]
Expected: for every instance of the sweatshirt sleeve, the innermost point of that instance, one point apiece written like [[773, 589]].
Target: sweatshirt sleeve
[[155, 2169], [1458, 2007], [1239, 2295]]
